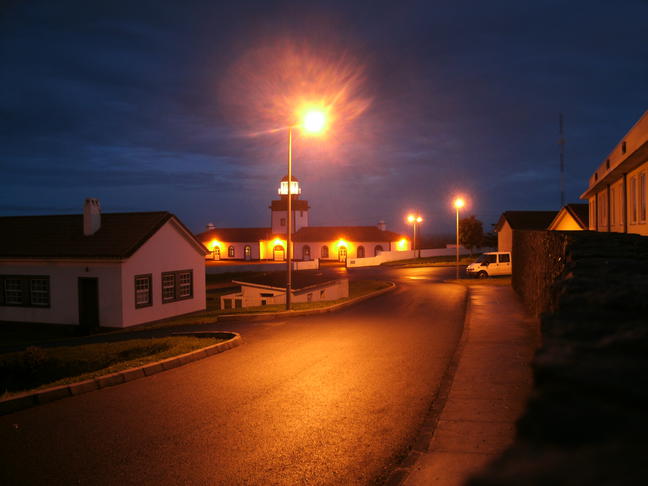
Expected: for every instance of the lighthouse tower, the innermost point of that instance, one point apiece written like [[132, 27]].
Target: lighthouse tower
[[279, 208]]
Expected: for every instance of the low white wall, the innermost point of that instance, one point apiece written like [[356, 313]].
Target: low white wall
[[392, 256], [306, 264], [251, 296]]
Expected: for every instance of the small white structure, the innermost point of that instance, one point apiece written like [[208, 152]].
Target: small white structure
[[109, 270], [270, 289]]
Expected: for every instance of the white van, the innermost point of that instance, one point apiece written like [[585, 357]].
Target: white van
[[490, 264]]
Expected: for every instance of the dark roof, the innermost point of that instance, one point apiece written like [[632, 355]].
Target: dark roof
[[235, 235], [300, 280], [526, 220], [292, 178], [61, 236], [580, 213], [351, 233], [282, 204]]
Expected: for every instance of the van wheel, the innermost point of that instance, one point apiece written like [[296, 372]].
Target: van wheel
[[482, 274]]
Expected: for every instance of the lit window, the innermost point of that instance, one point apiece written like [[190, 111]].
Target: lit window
[[230, 252], [143, 291]]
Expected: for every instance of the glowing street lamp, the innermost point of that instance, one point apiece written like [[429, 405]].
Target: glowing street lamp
[[414, 220], [313, 122], [458, 204]]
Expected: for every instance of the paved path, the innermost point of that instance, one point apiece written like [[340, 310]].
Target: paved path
[[489, 391], [330, 400]]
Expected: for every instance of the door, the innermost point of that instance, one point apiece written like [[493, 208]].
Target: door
[[216, 253], [278, 253], [88, 303], [342, 254], [306, 253]]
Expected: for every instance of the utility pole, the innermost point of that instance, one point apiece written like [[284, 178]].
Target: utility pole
[[561, 141]]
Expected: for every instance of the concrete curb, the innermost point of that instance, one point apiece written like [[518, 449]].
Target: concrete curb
[[333, 308], [421, 442], [31, 399]]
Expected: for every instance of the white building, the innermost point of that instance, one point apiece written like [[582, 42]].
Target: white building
[[270, 289], [335, 243], [109, 270]]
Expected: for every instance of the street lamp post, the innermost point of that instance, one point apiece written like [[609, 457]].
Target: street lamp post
[[458, 204], [414, 220], [314, 122]]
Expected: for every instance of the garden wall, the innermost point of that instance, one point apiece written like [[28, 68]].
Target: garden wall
[[586, 423]]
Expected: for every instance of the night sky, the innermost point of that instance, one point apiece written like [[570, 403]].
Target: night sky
[[174, 105]]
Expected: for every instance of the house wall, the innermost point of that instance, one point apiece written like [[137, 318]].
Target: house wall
[[505, 237], [239, 250], [566, 222], [300, 219], [637, 200], [251, 296], [64, 298], [351, 246], [167, 250]]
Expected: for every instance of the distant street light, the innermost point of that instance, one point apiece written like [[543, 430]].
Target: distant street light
[[414, 220], [458, 204], [314, 122]]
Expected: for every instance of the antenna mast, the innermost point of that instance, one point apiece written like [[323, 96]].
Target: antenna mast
[[561, 141]]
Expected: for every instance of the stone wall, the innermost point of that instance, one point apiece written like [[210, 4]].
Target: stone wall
[[586, 423]]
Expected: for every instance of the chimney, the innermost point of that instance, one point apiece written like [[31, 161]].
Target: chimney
[[382, 226], [91, 216], [210, 226]]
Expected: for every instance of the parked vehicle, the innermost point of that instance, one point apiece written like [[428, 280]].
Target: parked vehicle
[[491, 264]]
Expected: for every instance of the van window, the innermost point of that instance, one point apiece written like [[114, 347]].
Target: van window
[[506, 258]]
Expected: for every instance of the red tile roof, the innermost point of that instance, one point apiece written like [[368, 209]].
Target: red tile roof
[[235, 235], [351, 233], [61, 236]]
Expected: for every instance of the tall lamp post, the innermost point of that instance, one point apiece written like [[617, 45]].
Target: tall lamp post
[[458, 204], [314, 122], [414, 220]]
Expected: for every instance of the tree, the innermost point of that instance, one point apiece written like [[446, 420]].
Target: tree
[[471, 233]]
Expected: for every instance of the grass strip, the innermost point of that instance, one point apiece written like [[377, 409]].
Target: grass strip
[[37, 367]]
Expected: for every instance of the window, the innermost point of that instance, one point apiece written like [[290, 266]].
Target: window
[[607, 164], [624, 147], [306, 253], [247, 251], [143, 291], [506, 258], [282, 222], [602, 209], [238, 303], [325, 252], [25, 290], [642, 197], [361, 252], [612, 206], [177, 285], [633, 200], [377, 249], [230, 252]]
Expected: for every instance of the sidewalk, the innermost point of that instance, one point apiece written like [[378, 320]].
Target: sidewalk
[[489, 391]]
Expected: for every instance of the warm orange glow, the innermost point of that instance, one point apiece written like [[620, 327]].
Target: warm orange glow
[[419, 219], [314, 121], [414, 218], [459, 203], [341, 242], [401, 245], [410, 218], [213, 244], [278, 241]]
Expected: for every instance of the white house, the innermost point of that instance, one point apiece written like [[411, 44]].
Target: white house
[[617, 193], [310, 242], [109, 270], [520, 220], [269, 289]]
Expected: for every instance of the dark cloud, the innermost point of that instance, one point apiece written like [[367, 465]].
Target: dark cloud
[[124, 100]]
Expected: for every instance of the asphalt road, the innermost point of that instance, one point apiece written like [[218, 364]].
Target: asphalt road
[[326, 399]]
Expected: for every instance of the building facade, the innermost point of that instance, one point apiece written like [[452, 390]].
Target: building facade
[[333, 243], [617, 194], [91, 270]]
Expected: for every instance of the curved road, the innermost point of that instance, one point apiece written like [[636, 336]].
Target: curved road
[[326, 399]]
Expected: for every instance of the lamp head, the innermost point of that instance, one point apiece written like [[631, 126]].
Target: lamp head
[[314, 121], [459, 203]]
